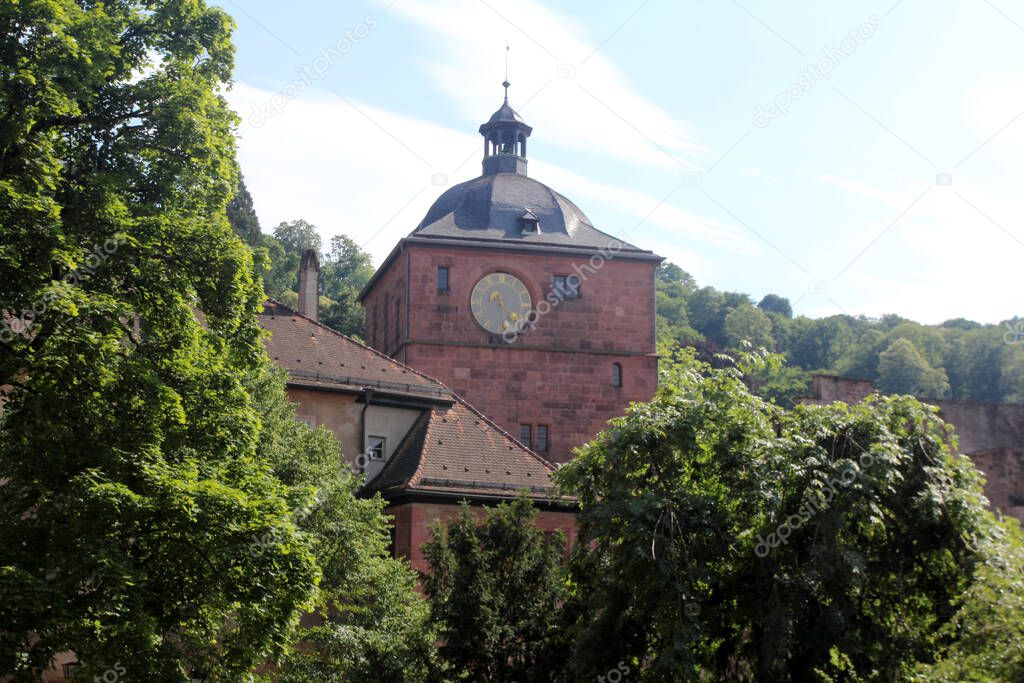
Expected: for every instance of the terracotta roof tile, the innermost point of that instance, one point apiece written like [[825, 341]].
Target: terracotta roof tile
[[458, 450], [452, 448], [317, 356]]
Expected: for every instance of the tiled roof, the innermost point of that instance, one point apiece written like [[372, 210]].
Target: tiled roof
[[451, 449], [317, 356], [458, 451]]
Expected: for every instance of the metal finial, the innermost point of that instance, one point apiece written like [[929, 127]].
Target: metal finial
[[505, 83]]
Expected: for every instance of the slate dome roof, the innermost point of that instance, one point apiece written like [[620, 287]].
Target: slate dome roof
[[505, 205], [493, 206], [505, 113]]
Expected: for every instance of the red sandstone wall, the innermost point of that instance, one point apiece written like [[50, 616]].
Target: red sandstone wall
[[615, 312], [984, 426], [1004, 479], [829, 389], [386, 310], [412, 526], [569, 392], [557, 374]]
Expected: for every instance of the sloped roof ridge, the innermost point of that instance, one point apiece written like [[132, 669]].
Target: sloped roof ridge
[[494, 425], [372, 350]]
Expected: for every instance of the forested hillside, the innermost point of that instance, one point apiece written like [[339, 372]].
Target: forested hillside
[[958, 359]]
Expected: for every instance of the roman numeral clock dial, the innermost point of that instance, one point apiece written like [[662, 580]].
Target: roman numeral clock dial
[[500, 302]]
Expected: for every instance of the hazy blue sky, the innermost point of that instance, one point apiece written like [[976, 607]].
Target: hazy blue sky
[[891, 182]]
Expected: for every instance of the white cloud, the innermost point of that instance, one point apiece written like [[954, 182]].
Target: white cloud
[[593, 109], [958, 252], [993, 103], [353, 168], [899, 199]]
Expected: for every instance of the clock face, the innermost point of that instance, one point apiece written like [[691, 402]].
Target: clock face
[[500, 303]]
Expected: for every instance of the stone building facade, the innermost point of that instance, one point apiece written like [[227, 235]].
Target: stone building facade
[[510, 296]]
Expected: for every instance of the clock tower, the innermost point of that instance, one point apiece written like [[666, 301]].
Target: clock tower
[[507, 293]]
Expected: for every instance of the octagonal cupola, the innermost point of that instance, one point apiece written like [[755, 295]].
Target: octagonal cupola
[[505, 136]]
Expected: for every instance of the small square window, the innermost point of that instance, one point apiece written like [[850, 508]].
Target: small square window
[[526, 435], [567, 286], [442, 278], [542, 438], [376, 447]]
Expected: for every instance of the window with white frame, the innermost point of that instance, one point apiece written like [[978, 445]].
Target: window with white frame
[[376, 447]]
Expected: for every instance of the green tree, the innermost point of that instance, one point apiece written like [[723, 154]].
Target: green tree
[[673, 276], [130, 488], [242, 215], [861, 359], [746, 323], [372, 624], [495, 590], [773, 303], [903, 370], [723, 538], [346, 269], [297, 236], [706, 315], [985, 639], [290, 240]]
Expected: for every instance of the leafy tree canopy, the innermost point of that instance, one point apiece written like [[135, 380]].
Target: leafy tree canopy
[[903, 370], [495, 589], [977, 362], [724, 538], [371, 624], [131, 491], [773, 303]]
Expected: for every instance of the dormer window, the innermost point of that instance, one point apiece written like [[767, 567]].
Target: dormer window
[[530, 221]]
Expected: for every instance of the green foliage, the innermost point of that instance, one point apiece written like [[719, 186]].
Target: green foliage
[[371, 624], [773, 303], [986, 636], [903, 370], [242, 215], [346, 269], [132, 492], [290, 240], [963, 359], [495, 588], [748, 324], [723, 538]]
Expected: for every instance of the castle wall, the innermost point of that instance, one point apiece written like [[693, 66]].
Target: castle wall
[[557, 374]]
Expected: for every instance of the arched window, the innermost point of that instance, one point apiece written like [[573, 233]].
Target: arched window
[[616, 375]]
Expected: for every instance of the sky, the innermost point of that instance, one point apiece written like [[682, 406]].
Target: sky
[[861, 157]]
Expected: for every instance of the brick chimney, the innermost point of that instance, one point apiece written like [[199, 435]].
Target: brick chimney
[[309, 284]]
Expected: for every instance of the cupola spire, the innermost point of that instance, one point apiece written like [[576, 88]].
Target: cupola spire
[[505, 136]]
